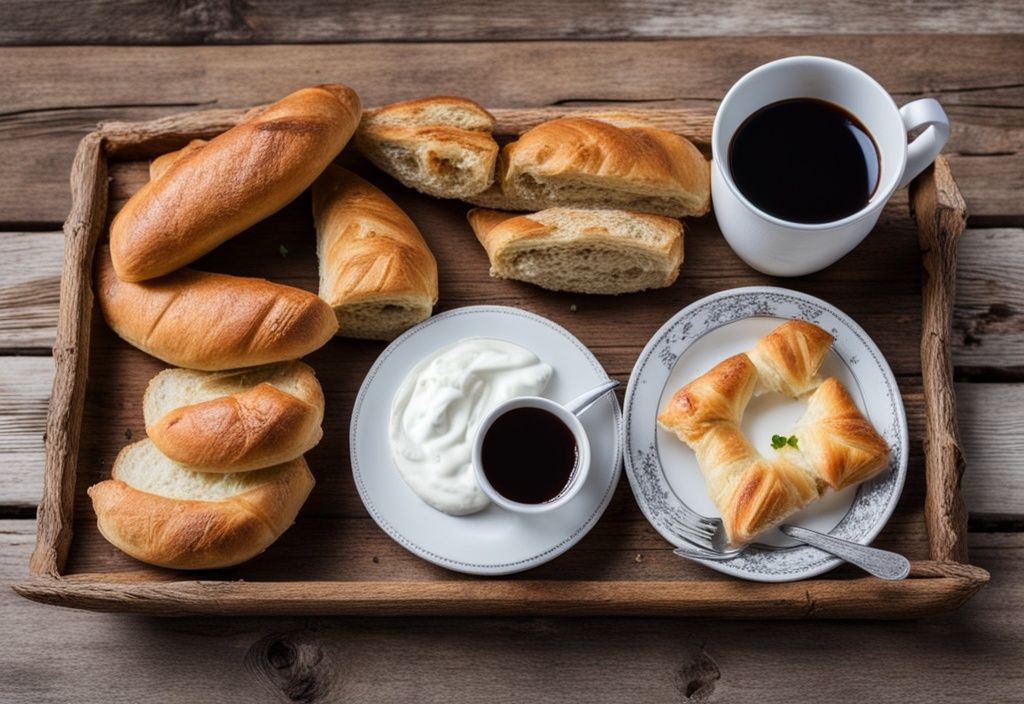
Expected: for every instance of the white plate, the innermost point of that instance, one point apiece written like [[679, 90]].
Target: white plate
[[493, 541], [663, 472]]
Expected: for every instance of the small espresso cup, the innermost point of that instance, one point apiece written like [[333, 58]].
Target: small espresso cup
[[579, 473], [783, 248]]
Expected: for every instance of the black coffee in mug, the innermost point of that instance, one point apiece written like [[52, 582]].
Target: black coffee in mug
[[805, 160]]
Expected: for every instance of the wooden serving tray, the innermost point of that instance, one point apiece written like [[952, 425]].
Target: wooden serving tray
[[335, 560]]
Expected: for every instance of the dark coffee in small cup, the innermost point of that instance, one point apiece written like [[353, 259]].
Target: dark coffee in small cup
[[805, 160], [529, 455]]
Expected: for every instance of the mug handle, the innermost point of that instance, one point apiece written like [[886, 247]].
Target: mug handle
[[925, 113]]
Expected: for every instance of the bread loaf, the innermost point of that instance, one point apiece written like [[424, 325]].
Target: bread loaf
[[376, 270], [162, 514], [585, 251], [236, 420], [833, 446], [214, 190], [584, 162], [206, 321], [441, 146]]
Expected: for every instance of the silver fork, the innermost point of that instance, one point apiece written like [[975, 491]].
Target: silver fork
[[709, 541]]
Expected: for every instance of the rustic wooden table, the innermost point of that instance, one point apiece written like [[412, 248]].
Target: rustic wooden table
[[67, 65]]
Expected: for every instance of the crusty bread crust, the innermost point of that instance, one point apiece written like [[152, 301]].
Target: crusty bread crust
[[582, 250], [200, 320], [158, 167], [376, 270], [213, 191], [192, 534], [836, 445], [249, 419]]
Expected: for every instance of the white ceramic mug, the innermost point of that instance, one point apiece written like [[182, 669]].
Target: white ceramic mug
[[782, 248]]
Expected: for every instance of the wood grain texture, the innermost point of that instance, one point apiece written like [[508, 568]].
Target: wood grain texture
[[269, 22], [992, 429], [53, 96], [25, 384], [29, 289], [941, 217], [933, 587], [62, 655], [988, 316]]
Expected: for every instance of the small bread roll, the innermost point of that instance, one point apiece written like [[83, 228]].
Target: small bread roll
[[376, 270], [584, 251], [237, 420], [162, 514], [214, 190], [199, 320], [441, 146]]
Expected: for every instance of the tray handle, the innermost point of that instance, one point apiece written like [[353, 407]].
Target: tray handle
[[941, 215]]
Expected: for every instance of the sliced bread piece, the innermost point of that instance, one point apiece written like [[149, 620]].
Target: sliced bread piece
[[601, 163], [441, 146], [162, 514], [376, 270], [237, 420], [579, 250]]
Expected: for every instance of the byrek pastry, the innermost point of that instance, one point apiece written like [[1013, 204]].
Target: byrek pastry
[[832, 446], [210, 191], [581, 250]]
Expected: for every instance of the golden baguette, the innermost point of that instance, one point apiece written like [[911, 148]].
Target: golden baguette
[[213, 191], [199, 320]]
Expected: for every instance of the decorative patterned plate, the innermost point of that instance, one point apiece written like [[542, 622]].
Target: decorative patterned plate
[[663, 472], [493, 541]]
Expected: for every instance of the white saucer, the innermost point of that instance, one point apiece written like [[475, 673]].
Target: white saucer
[[663, 472], [493, 541]]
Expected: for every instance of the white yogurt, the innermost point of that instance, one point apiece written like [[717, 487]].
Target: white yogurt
[[438, 407]]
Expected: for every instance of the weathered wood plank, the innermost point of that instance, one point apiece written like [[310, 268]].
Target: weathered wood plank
[[52, 96], [29, 288], [988, 323], [64, 655], [269, 22], [24, 393], [992, 430]]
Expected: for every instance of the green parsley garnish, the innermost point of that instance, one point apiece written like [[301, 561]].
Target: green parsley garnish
[[283, 250], [780, 441]]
